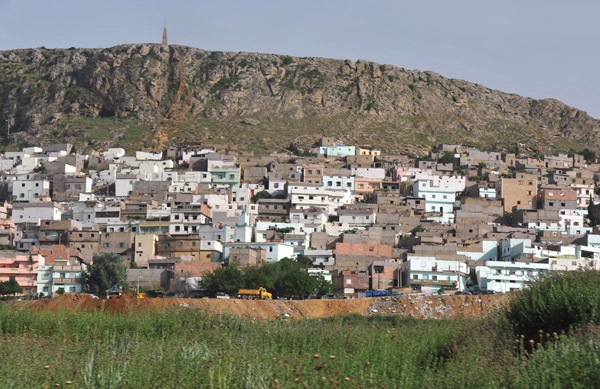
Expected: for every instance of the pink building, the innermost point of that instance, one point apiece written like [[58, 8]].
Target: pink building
[[18, 266]]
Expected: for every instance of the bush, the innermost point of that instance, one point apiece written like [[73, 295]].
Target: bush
[[556, 303]]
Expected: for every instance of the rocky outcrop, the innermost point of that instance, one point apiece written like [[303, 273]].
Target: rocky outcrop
[[111, 96]]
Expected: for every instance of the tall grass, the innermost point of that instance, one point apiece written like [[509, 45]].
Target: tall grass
[[188, 348]]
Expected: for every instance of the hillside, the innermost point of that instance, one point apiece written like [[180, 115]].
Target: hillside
[[146, 95]]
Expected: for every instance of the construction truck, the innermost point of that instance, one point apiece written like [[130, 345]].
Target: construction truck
[[254, 294]]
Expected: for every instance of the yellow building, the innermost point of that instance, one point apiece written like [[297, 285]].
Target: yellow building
[[366, 151]]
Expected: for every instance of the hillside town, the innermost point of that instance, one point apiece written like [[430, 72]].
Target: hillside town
[[461, 220]]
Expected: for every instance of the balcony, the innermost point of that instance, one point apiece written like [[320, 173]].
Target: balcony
[[432, 282], [66, 280]]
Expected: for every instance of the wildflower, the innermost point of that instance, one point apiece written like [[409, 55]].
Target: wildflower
[[316, 356], [332, 357], [69, 383], [346, 379], [46, 367]]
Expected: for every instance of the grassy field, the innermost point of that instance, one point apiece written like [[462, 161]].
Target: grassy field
[[187, 348]]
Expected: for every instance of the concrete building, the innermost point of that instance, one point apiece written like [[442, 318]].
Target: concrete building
[[518, 192], [23, 268], [503, 276]]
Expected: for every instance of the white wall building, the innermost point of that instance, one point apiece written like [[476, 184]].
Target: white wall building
[[503, 276]]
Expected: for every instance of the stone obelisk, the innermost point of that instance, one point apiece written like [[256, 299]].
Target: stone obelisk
[[164, 41]]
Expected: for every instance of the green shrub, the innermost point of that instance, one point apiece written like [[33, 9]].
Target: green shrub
[[556, 303]]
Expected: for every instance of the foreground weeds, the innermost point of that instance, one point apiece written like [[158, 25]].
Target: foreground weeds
[[187, 348]]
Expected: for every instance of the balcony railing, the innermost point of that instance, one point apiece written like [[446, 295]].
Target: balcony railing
[[66, 280], [434, 282]]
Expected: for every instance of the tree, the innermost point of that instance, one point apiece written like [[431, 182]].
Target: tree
[[60, 291], [593, 213], [105, 271], [263, 194], [295, 282], [41, 169], [588, 155], [226, 279], [304, 261], [10, 287]]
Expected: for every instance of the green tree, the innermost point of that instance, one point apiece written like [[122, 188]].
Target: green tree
[[304, 261], [295, 282], [105, 271], [41, 169], [4, 288], [588, 155], [226, 279], [10, 287], [324, 287], [60, 291], [593, 213], [263, 194]]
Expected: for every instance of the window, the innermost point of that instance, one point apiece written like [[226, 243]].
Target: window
[[360, 282], [276, 185], [415, 276], [139, 245], [270, 249], [121, 245], [106, 245], [434, 278]]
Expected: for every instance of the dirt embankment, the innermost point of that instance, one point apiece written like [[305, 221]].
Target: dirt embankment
[[415, 306]]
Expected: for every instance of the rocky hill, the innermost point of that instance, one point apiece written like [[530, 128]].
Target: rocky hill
[[148, 95]]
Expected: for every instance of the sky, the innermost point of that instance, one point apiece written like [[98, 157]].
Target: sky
[[539, 49]]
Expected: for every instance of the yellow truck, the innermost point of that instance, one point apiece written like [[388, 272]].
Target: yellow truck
[[254, 294]]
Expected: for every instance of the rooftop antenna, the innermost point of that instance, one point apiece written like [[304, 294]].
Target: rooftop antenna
[[164, 40]]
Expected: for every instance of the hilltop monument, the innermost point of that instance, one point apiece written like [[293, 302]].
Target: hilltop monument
[[164, 40]]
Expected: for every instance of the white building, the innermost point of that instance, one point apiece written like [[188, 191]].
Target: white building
[[34, 212], [439, 198], [419, 271], [321, 257], [27, 187], [61, 274], [506, 276], [306, 196], [148, 156]]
